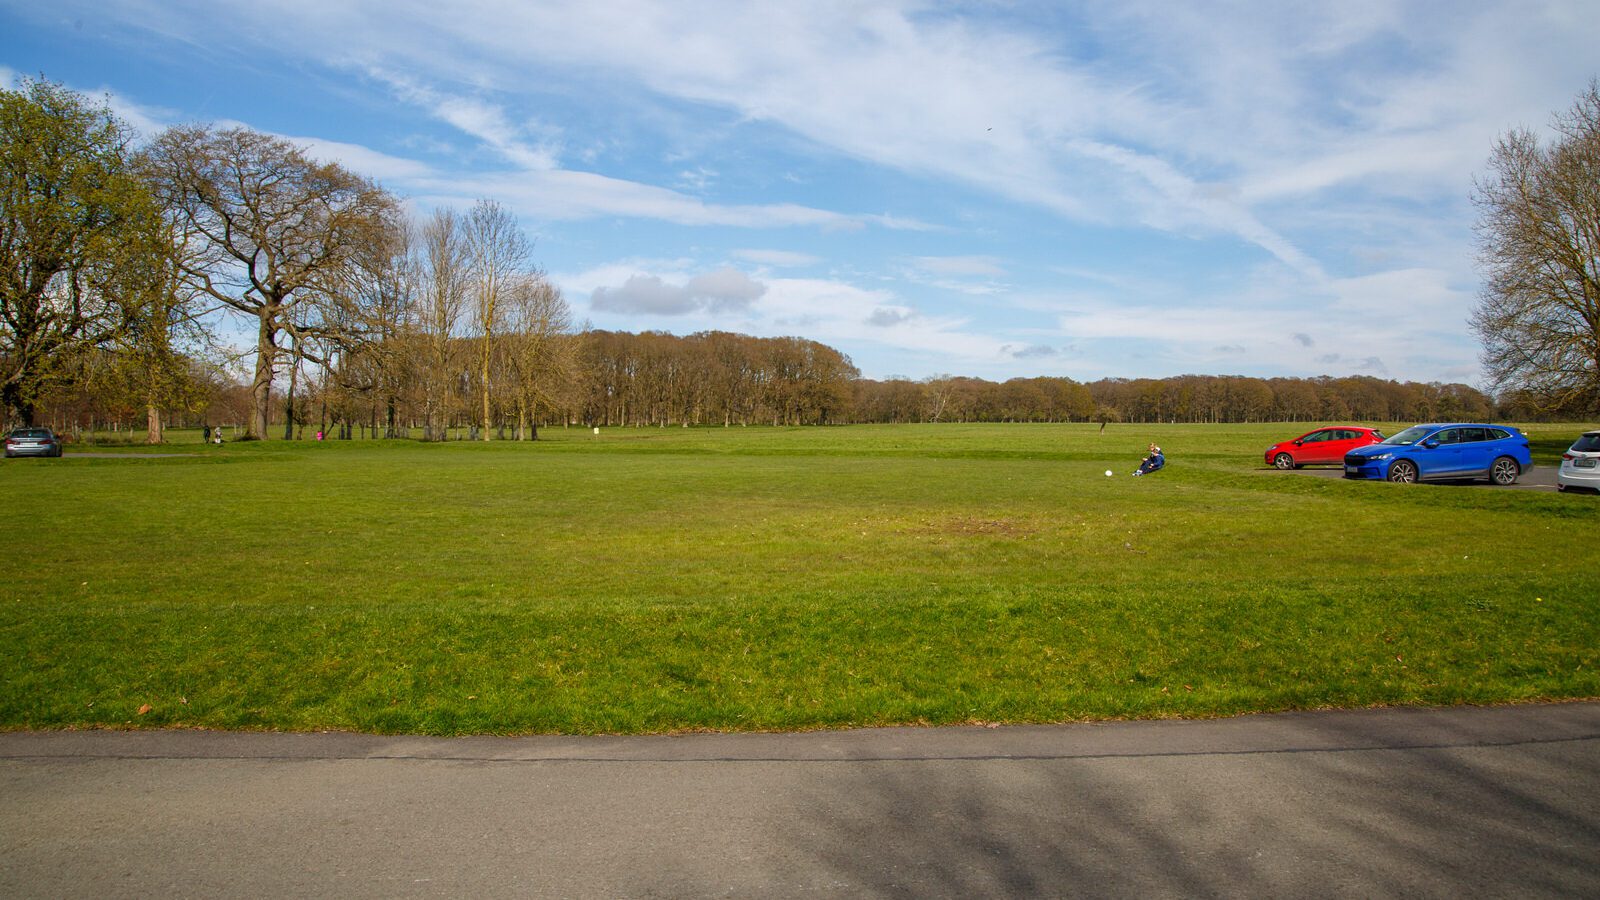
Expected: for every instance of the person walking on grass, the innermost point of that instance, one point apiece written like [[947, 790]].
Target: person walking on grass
[[1151, 463]]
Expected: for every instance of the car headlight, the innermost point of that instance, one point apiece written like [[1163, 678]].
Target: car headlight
[[1379, 457]]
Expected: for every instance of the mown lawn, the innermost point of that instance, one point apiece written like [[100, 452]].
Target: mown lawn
[[668, 579]]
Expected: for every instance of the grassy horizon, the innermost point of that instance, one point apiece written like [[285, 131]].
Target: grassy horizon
[[652, 580]]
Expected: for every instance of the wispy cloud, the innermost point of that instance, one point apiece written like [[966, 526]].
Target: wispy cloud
[[479, 118], [563, 194], [1180, 181]]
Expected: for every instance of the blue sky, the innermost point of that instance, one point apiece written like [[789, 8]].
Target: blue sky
[[989, 189]]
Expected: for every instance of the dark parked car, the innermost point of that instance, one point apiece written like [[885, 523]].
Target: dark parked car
[[32, 442], [1325, 446], [1456, 450]]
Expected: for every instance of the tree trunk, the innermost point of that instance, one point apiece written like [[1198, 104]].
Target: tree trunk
[[485, 373], [15, 401], [288, 402], [261, 387], [153, 424]]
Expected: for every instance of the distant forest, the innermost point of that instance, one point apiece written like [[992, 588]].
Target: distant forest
[[720, 378]]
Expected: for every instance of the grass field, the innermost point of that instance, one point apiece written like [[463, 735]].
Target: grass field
[[673, 579]]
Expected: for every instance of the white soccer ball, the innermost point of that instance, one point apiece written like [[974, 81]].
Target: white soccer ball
[[1108, 473]]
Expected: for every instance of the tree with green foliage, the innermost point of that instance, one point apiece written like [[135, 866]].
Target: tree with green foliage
[[1539, 230], [80, 236]]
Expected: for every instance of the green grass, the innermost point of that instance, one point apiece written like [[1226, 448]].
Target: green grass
[[669, 579]]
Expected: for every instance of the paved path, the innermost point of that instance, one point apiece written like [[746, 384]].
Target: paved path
[[1442, 803], [1539, 478]]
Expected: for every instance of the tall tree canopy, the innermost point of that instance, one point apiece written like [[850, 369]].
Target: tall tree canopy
[[80, 242], [1539, 230], [270, 233]]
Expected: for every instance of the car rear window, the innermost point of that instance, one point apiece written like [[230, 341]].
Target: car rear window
[[1589, 443], [31, 432]]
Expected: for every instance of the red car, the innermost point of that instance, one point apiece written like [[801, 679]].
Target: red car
[[1325, 446]]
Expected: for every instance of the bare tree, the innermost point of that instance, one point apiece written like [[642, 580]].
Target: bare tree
[[498, 257], [541, 358], [270, 234], [443, 275], [1539, 234], [375, 306]]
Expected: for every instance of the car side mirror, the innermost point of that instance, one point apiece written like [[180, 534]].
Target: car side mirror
[[1431, 445], [1298, 443]]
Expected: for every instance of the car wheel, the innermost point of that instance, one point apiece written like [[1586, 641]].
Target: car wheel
[[1504, 471], [1404, 471], [1283, 461]]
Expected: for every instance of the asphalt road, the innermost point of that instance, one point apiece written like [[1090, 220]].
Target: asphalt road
[[1481, 802], [1540, 478]]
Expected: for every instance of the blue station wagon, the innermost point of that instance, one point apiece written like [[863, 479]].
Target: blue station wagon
[[1441, 452]]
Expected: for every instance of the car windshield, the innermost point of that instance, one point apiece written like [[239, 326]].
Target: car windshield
[[1409, 436]]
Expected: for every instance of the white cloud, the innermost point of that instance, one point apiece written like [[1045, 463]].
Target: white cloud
[[1396, 324], [1034, 351], [644, 294], [364, 160], [479, 118], [889, 316], [723, 290], [561, 194]]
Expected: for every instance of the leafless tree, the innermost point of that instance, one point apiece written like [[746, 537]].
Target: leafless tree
[[444, 278], [375, 307], [1539, 236], [270, 234], [498, 256], [540, 357]]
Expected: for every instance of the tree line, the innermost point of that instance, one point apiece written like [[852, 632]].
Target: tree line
[[1183, 398], [620, 379], [119, 261]]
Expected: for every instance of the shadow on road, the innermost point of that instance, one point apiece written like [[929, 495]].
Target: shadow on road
[[1441, 821]]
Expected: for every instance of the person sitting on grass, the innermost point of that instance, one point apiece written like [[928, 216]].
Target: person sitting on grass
[[1152, 462]]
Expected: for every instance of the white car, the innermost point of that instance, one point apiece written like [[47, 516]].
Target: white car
[[1580, 465]]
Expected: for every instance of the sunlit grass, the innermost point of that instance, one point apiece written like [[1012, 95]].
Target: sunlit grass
[[663, 579]]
